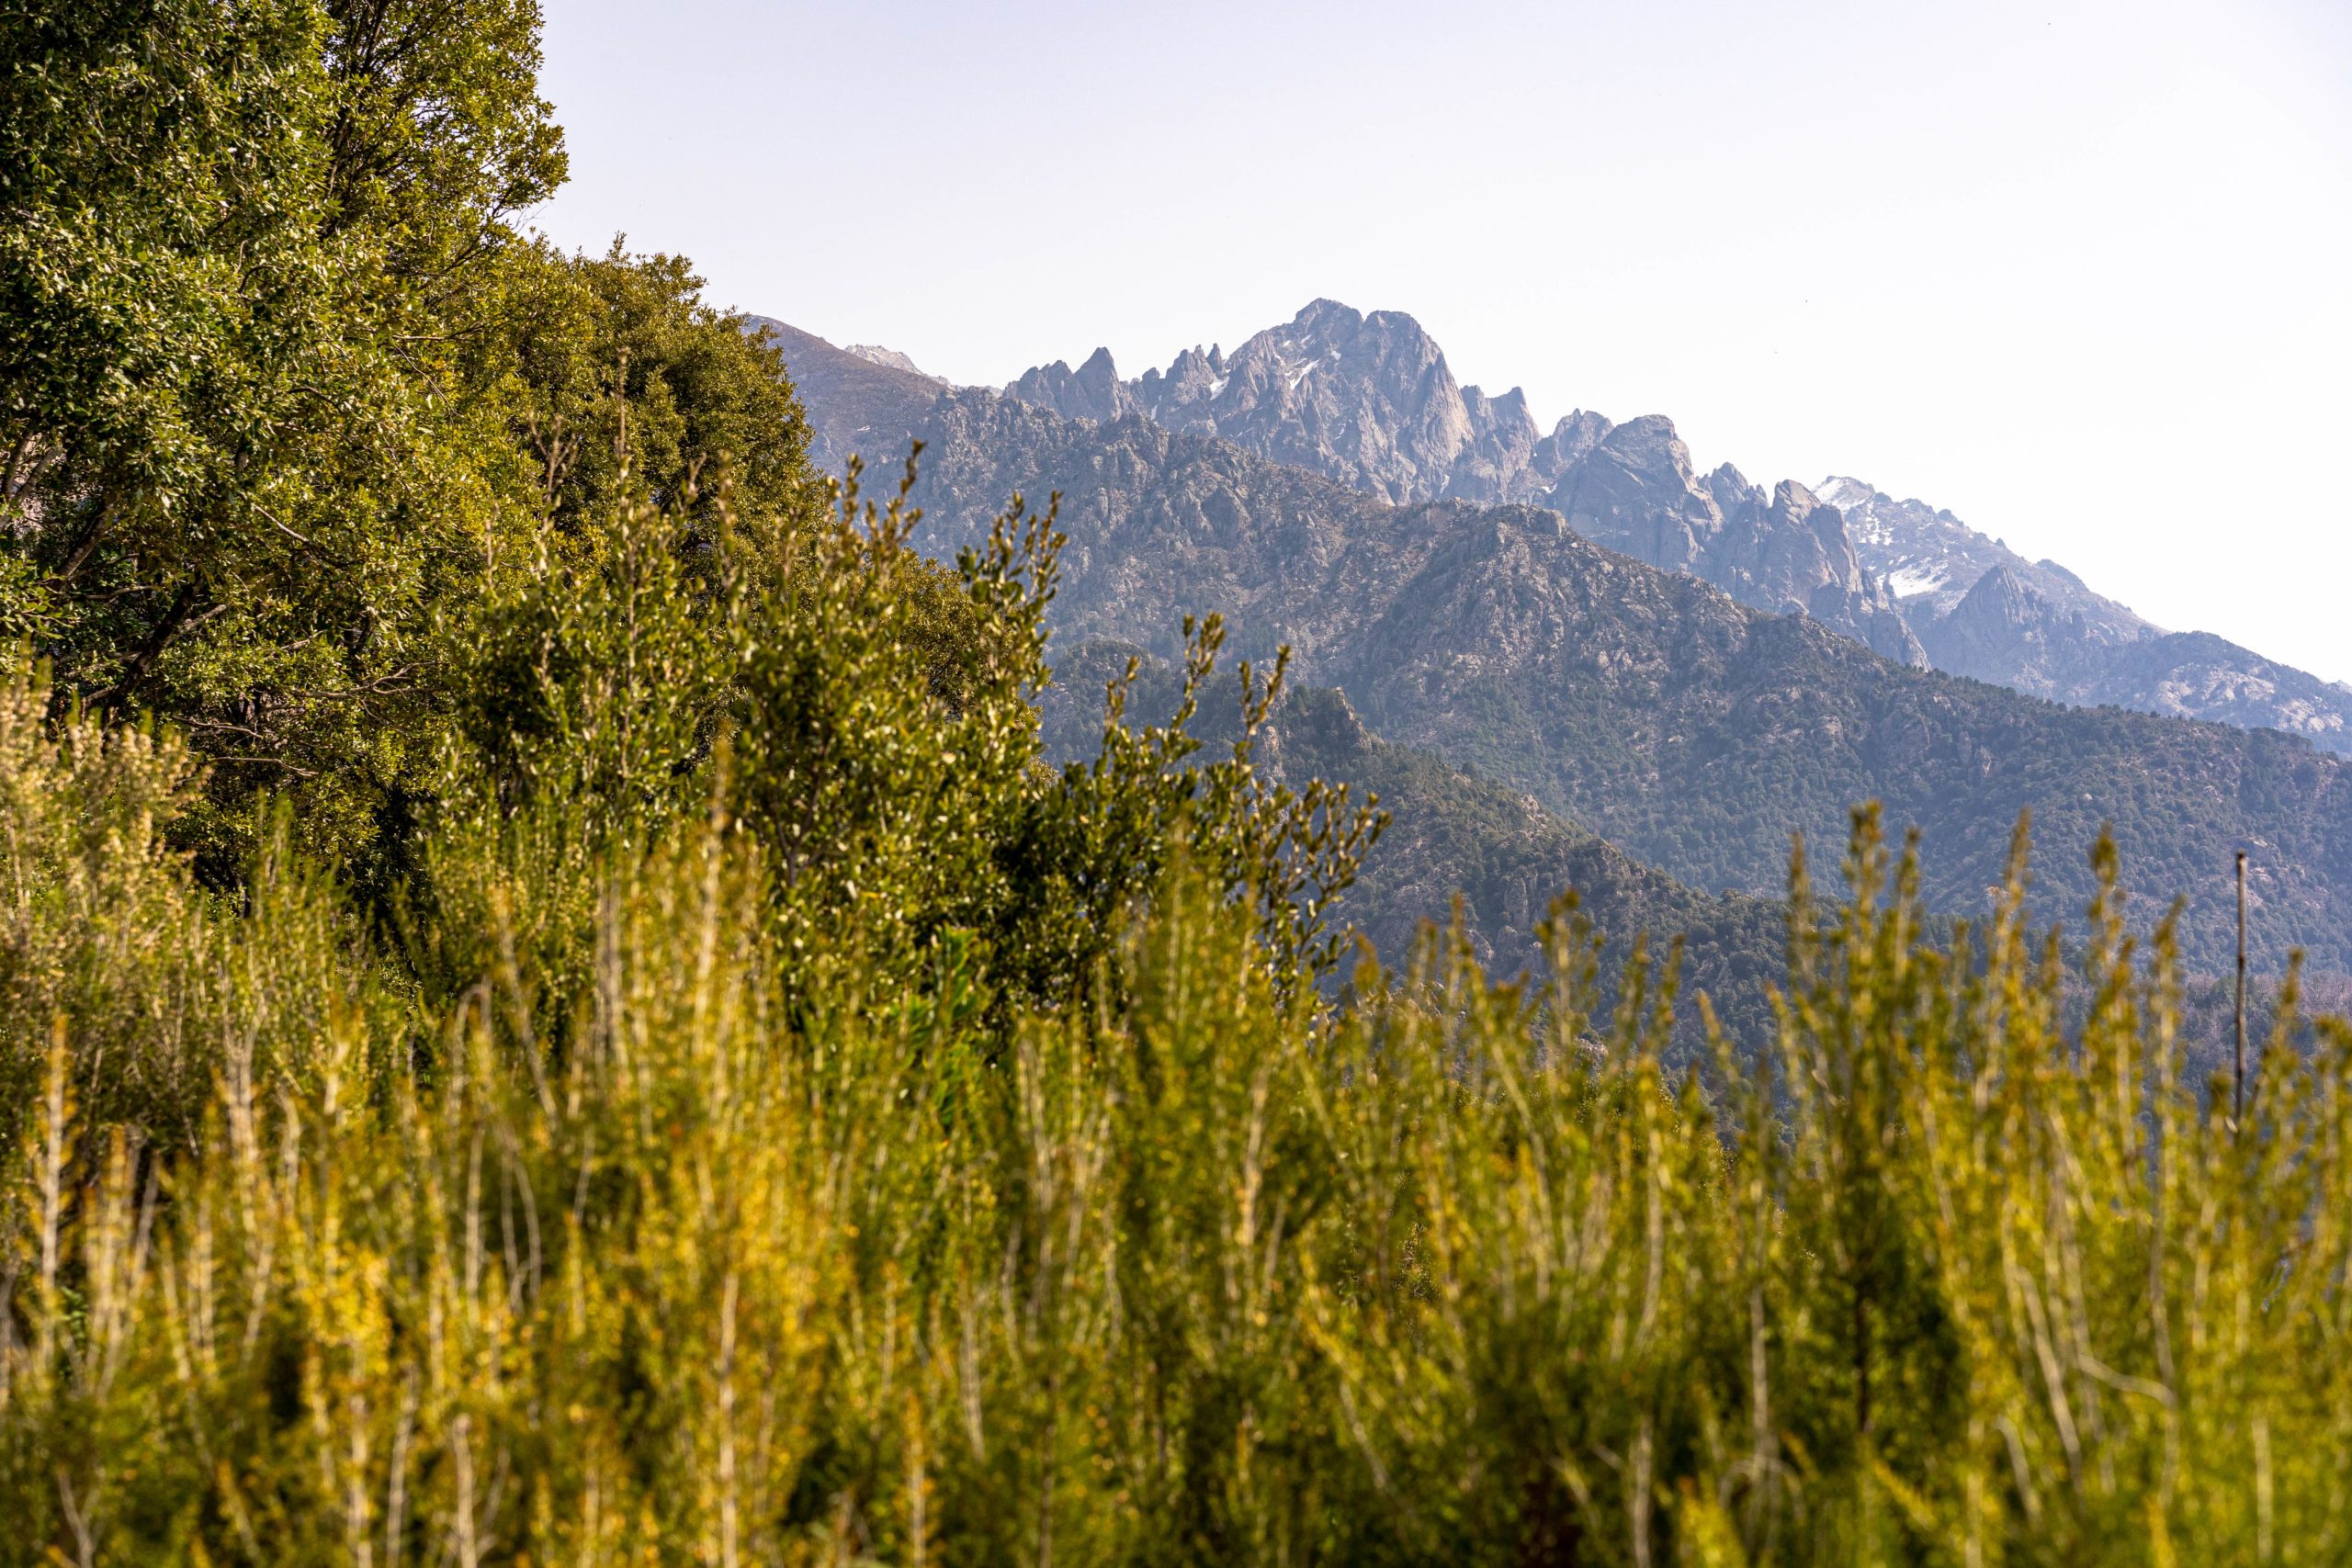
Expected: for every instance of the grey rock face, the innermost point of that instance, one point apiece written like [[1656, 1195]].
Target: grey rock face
[[2003, 632], [1090, 391], [1368, 400], [1575, 436], [1796, 548], [1636, 491], [1503, 439], [890, 358]]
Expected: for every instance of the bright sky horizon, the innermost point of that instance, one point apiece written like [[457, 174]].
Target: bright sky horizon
[[2076, 271]]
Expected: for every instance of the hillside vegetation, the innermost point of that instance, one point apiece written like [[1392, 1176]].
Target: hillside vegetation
[[1457, 846], [555, 1008]]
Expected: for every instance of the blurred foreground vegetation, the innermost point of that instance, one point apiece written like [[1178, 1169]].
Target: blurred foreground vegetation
[[553, 1009]]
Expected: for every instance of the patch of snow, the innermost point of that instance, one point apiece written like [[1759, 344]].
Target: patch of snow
[[1302, 374], [1908, 579], [874, 354], [1217, 385]]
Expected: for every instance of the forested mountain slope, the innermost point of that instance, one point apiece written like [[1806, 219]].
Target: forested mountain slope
[[1694, 732], [1452, 833]]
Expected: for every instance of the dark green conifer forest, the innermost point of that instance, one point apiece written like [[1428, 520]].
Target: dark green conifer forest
[[556, 1007]]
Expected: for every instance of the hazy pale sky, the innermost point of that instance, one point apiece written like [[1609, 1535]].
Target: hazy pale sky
[[2081, 272]]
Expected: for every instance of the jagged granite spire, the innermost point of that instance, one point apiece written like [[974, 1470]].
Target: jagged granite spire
[[1091, 391]]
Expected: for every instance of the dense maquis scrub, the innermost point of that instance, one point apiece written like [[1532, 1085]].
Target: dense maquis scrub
[[661, 1242]]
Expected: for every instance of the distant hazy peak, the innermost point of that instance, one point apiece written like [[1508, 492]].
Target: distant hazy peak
[[856, 404], [874, 354]]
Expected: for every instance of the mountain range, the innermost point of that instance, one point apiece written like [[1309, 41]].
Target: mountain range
[[1688, 666], [1369, 400]]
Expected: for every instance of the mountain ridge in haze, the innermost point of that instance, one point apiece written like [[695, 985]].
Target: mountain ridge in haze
[[1984, 611], [1370, 400]]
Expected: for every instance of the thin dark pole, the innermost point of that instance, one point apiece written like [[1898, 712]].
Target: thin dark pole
[[2237, 1113]]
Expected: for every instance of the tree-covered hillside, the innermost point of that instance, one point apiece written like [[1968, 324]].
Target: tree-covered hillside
[[1452, 835]]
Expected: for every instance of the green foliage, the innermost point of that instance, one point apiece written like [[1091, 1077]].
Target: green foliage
[[285, 399], [626, 369], [676, 1074]]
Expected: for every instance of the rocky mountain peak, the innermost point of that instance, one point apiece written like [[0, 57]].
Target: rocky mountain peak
[[1089, 391], [1504, 438], [1092, 391], [1980, 609], [2004, 632], [1369, 400], [1571, 441], [1930, 558], [1732, 491], [1795, 507], [1636, 492], [1999, 598]]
